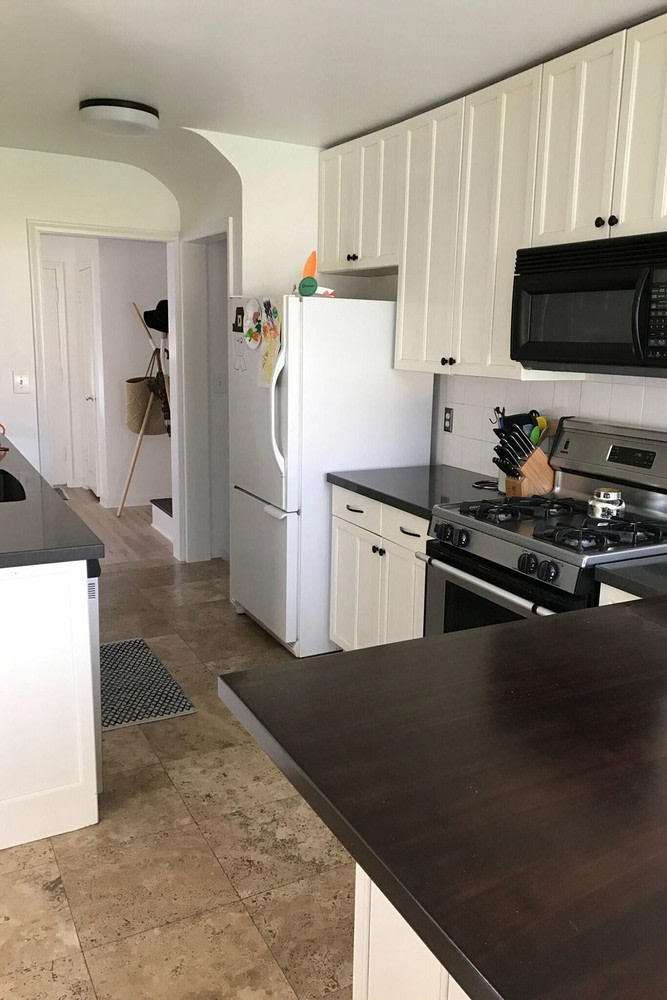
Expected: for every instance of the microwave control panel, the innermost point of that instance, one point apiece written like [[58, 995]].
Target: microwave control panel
[[657, 317]]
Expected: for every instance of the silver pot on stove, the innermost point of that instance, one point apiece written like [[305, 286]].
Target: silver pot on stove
[[606, 502]]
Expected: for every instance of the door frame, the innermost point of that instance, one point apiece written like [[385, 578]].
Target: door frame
[[37, 228], [63, 341], [98, 381]]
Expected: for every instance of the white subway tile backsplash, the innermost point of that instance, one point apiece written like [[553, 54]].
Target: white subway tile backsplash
[[654, 411], [595, 401], [474, 390], [567, 399], [471, 455], [494, 391], [541, 396], [516, 396], [626, 404], [455, 387], [451, 450]]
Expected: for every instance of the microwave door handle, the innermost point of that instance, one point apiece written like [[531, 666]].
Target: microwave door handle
[[636, 303]]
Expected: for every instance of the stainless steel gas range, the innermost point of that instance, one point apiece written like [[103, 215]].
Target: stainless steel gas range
[[500, 559]]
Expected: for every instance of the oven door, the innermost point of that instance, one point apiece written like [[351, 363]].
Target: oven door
[[472, 595], [581, 317]]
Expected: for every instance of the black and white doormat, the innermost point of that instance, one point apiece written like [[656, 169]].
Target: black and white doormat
[[137, 687]]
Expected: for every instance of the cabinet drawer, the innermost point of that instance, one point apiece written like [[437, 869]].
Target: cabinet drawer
[[404, 529], [357, 509]]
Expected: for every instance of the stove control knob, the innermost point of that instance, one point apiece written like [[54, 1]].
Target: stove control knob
[[461, 537], [527, 562], [547, 571], [443, 531]]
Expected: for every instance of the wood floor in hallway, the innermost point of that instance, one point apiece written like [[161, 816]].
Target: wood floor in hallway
[[208, 877]]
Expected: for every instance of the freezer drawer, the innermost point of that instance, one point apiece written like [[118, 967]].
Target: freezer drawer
[[264, 542]]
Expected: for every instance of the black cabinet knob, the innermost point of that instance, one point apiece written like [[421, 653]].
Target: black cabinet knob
[[451, 361], [354, 256], [349, 256], [374, 548], [599, 222], [613, 220], [443, 361], [381, 552]]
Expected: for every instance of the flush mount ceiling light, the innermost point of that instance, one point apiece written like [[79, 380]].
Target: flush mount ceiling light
[[121, 117]]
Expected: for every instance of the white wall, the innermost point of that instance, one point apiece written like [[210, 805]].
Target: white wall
[[130, 271], [63, 189], [620, 399]]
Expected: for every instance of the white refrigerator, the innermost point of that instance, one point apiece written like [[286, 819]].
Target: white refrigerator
[[329, 401]]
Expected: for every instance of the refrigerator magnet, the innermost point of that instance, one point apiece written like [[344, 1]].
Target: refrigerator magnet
[[252, 324], [237, 325]]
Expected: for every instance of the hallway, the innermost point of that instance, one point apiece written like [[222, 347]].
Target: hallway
[[207, 875]]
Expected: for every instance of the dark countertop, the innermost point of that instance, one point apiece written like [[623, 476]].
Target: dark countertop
[[641, 577], [415, 489], [505, 788], [42, 528]]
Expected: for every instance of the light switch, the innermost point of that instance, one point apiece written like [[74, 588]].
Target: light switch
[[21, 381], [220, 383]]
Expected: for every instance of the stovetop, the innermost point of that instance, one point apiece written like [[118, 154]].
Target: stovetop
[[552, 537]]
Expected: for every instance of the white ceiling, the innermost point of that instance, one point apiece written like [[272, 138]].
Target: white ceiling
[[311, 72]]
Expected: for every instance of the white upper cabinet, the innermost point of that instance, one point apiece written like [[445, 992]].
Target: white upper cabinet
[[360, 202], [640, 187], [496, 216], [581, 94], [427, 272]]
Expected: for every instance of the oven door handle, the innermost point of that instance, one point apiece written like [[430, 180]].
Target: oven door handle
[[483, 589]]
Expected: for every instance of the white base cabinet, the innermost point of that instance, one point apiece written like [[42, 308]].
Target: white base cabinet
[[48, 779], [377, 581], [390, 961], [612, 595]]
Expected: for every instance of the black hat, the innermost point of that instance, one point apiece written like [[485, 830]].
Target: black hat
[[158, 318]]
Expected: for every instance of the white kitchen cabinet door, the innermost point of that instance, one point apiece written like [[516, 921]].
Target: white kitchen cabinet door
[[402, 593], [425, 308], [496, 215], [338, 207], [380, 198], [355, 586], [390, 961], [640, 187], [581, 93]]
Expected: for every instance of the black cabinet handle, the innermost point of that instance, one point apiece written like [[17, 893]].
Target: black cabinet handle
[[354, 256], [349, 256], [354, 510], [599, 222], [381, 552], [613, 220], [451, 361], [374, 548], [412, 534], [443, 361]]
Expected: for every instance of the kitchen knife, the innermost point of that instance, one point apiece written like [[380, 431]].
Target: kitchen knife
[[508, 453], [522, 441], [509, 470]]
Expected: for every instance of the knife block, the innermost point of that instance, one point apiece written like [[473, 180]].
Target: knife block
[[537, 477]]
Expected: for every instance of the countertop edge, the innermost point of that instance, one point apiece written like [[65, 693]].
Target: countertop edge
[[44, 557], [471, 980], [374, 494], [617, 578]]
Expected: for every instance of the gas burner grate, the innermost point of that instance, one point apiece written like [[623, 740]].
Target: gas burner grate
[[522, 508], [598, 535]]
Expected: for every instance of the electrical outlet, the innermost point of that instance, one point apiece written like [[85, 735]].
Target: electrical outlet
[[449, 419], [220, 384]]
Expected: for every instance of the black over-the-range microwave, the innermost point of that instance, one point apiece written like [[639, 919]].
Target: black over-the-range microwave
[[599, 306]]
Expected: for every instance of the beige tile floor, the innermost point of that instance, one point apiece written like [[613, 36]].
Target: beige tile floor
[[208, 877]]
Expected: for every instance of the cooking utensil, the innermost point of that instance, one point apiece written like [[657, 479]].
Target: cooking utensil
[[520, 442], [510, 451], [535, 435]]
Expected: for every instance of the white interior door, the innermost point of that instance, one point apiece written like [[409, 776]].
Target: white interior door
[[85, 293], [264, 543], [57, 464]]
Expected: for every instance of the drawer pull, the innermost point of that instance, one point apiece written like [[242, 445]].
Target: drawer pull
[[354, 510], [412, 534]]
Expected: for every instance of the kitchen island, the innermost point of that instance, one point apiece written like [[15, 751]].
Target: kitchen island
[[48, 684], [504, 788]]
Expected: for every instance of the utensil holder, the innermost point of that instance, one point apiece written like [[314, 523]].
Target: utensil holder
[[537, 477]]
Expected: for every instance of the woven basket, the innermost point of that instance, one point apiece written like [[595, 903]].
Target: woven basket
[[137, 394]]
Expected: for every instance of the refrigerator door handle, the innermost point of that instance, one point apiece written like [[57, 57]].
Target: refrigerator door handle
[[279, 515], [279, 365]]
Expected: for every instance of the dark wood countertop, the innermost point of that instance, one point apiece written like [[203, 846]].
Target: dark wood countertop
[[415, 489], [505, 787], [42, 528]]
